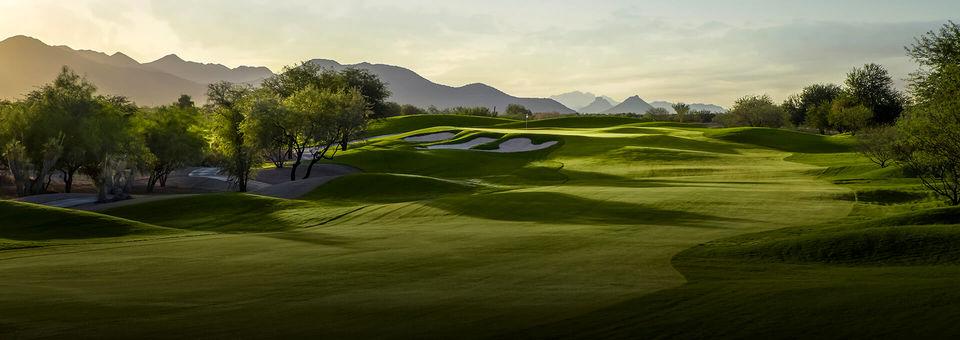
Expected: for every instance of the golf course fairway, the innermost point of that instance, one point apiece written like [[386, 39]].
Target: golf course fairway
[[620, 229]]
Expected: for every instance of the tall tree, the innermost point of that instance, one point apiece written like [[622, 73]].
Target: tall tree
[[334, 118], [228, 107], [682, 111], [755, 111], [174, 139], [799, 106], [929, 137], [872, 87]]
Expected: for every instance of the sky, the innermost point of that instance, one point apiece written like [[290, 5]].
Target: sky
[[711, 51]]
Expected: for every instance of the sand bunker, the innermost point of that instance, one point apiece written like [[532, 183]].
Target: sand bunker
[[433, 137], [463, 146], [521, 145]]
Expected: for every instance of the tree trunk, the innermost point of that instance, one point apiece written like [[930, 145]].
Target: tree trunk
[[296, 164], [67, 181]]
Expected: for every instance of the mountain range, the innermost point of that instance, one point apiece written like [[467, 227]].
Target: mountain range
[[408, 87], [693, 107], [599, 104], [631, 105], [26, 63]]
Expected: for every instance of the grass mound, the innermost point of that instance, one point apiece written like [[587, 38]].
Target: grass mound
[[25, 224], [885, 196], [229, 212], [574, 122], [646, 154], [387, 188], [401, 124], [917, 238], [785, 140]]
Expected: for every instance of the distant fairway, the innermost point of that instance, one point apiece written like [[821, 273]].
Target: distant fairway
[[580, 239]]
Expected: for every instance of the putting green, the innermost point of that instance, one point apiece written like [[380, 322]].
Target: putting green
[[429, 243]]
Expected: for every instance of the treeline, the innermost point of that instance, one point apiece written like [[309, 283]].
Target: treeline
[[919, 132], [515, 111], [867, 98], [65, 128]]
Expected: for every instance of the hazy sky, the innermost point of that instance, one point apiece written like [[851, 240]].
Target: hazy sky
[[694, 51]]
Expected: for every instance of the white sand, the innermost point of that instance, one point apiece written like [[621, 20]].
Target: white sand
[[521, 145], [433, 137], [463, 146]]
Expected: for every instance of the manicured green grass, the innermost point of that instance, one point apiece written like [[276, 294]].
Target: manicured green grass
[[29, 225], [387, 188], [785, 140], [574, 122], [623, 230], [852, 280], [400, 124]]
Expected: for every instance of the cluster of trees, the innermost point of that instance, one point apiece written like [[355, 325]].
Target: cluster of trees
[[303, 113], [926, 140], [868, 98], [65, 128], [683, 115]]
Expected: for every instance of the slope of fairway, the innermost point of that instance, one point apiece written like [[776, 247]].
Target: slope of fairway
[[228, 213], [785, 140], [387, 188], [401, 124], [573, 122], [544, 236], [852, 280], [25, 225]]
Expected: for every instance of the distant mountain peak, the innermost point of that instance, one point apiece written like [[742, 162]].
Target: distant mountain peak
[[599, 104], [170, 58], [634, 104]]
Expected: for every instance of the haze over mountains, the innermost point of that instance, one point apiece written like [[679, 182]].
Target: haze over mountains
[[26, 63], [409, 87]]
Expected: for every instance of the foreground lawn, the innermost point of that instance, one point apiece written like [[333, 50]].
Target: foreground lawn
[[581, 239]]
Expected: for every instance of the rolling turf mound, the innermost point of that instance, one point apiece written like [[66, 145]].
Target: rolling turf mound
[[228, 213], [925, 237], [30, 225], [387, 188], [584, 122], [785, 140], [401, 124]]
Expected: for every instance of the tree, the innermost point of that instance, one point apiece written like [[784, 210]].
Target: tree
[[929, 144], [373, 91], [173, 137], [798, 106], [818, 116], [879, 144], [872, 87], [846, 115], [185, 102], [759, 111], [227, 105], [336, 118], [271, 126], [112, 147], [407, 109], [682, 111], [657, 114], [517, 110]]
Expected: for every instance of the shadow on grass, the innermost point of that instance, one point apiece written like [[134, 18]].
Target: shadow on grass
[[558, 208], [30, 222]]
